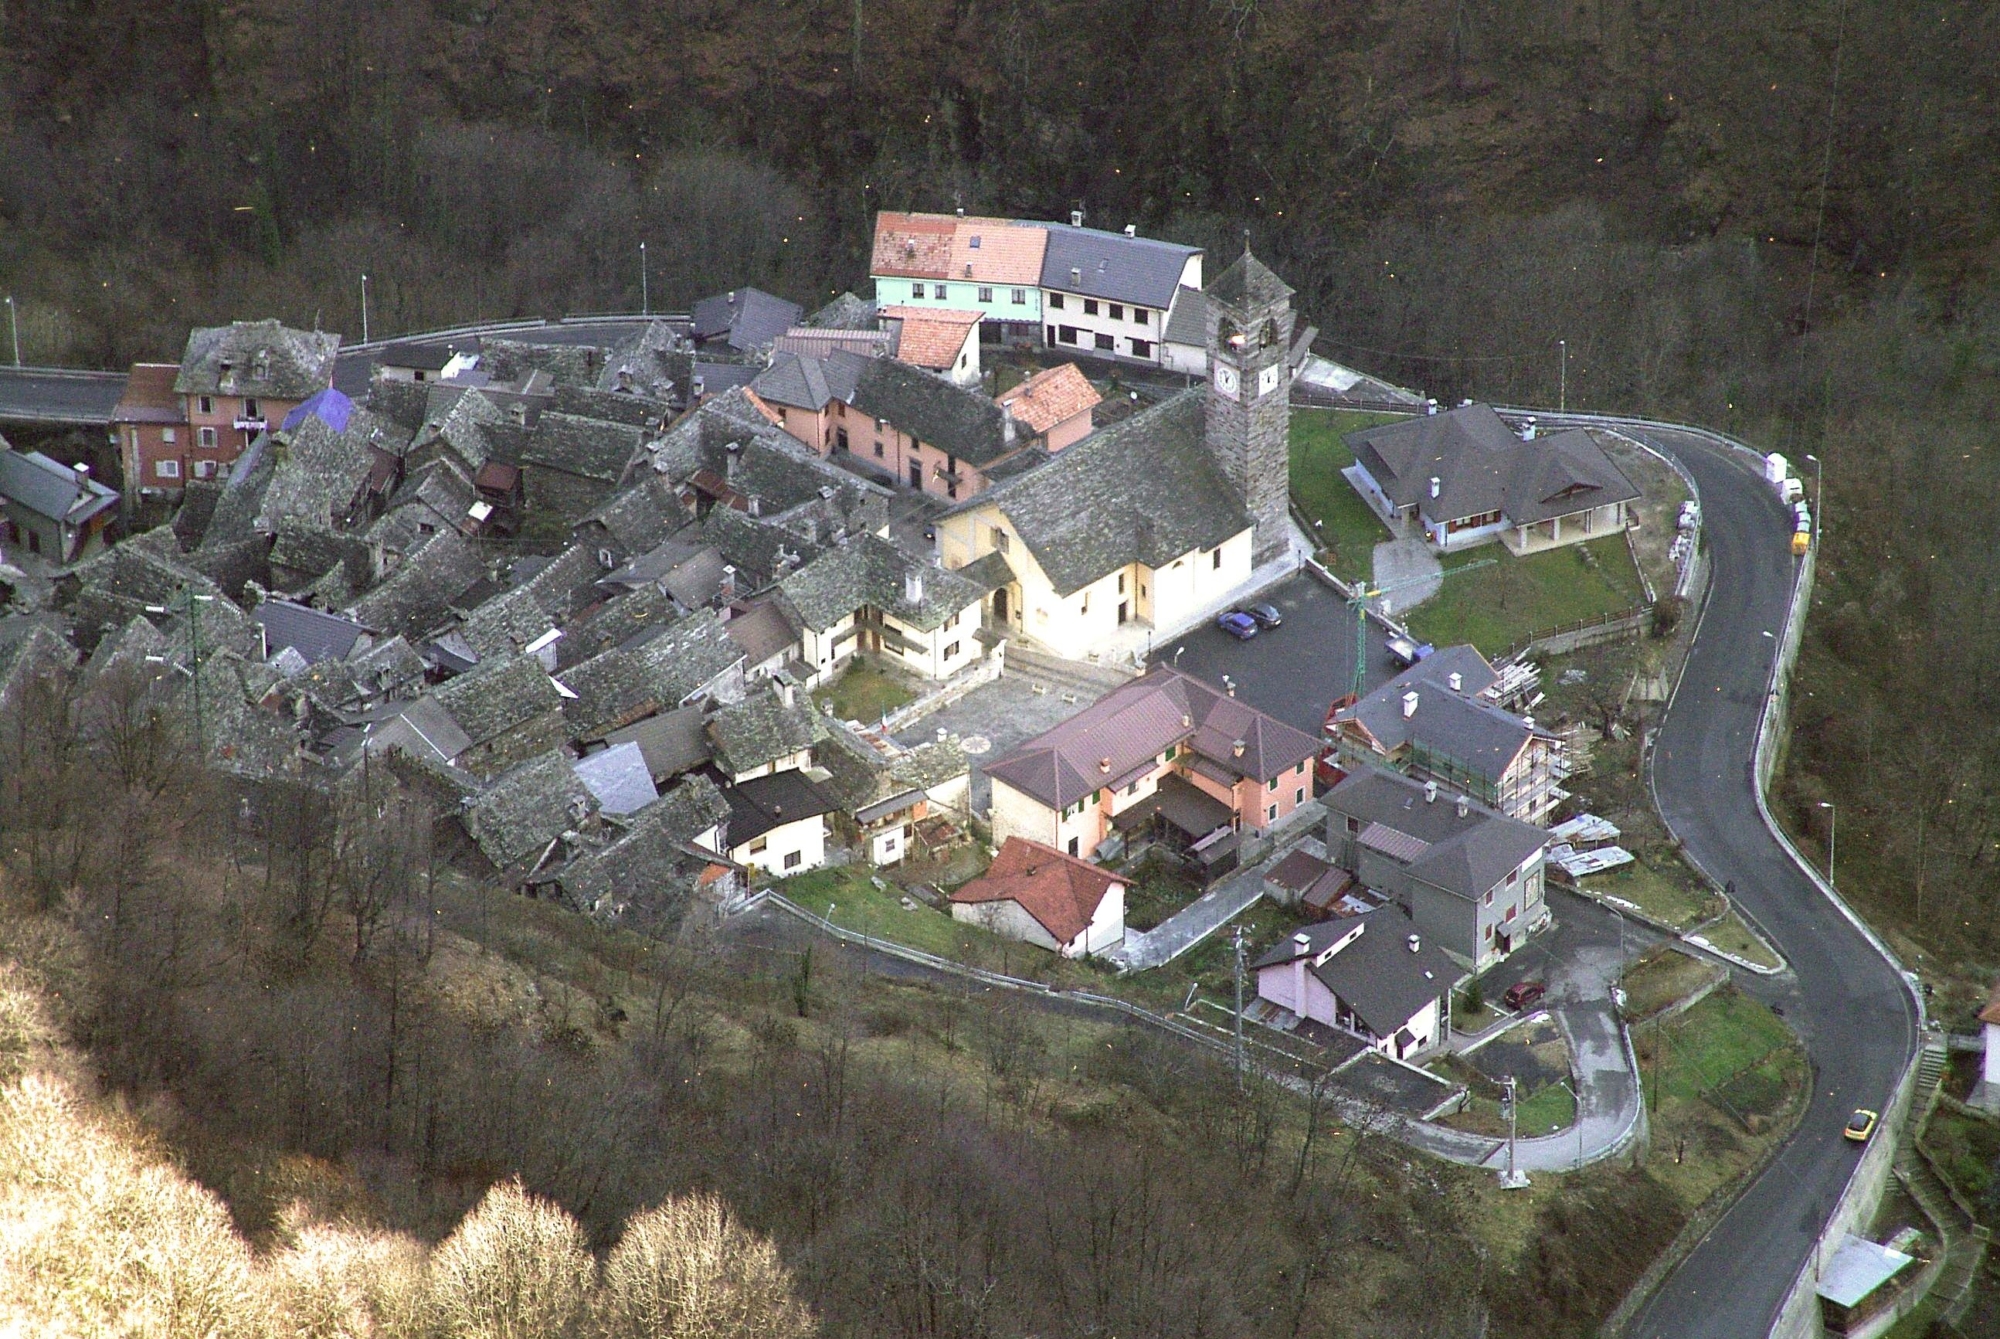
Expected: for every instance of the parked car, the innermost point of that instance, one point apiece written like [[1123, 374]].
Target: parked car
[[1267, 615], [1408, 652], [1238, 625], [1524, 995], [1862, 1124]]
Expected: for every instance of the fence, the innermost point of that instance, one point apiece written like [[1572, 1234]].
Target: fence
[[982, 671], [1567, 637]]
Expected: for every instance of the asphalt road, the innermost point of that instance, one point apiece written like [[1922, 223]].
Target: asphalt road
[[58, 395], [1845, 1000]]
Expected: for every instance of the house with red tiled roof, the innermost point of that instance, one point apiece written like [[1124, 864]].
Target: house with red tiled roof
[[150, 427], [1040, 896], [1165, 756], [961, 262], [1054, 406]]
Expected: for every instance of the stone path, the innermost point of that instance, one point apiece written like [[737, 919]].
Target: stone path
[[1400, 562]]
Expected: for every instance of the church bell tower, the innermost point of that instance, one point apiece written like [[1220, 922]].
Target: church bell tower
[[1250, 393]]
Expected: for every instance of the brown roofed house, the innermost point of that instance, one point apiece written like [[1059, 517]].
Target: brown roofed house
[[151, 428], [1037, 894]]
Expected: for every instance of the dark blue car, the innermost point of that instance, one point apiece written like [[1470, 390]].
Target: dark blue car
[[1238, 625]]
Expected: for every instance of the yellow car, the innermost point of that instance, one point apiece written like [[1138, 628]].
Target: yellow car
[[1860, 1125]]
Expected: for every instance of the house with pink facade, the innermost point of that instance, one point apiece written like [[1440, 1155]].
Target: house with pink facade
[[1166, 757], [240, 379], [1370, 976], [149, 428]]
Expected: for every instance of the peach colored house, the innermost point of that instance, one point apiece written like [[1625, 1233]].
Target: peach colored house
[[238, 380], [1165, 755], [1054, 405]]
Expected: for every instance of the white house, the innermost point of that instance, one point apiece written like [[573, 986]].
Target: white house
[[1371, 976], [1986, 1093], [777, 823], [1037, 894]]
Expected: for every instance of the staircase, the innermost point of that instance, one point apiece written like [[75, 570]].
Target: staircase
[[1074, 678], [1964, 1240], [1930, 1068]]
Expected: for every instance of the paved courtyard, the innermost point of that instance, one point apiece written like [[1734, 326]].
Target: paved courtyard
[[1002, 714]]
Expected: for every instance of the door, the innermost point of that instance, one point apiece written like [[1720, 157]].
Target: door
[[840, 439], [916, 474], [1123, 607], [1000, 605]]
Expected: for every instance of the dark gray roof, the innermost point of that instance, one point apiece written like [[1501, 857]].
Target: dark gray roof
[[616, 622], [415, 598], [588, 447], [752, 546], [497, 696], [627, 683], [762, 631], [321, 471], [418, 355], [527, 808], [618, 777], [1111, 265], [49, 488], [746, 319], [1481, 465], [31, 648], [671, 742], [846, 312], [762, 803], [635, 519], [631, 409], [315, 634], [652, 864], [1187, 320], [1374, 972], [1460, 724], [546, 600], [511, 360], [964, 423], [869, 570], [1465, 855], [761, 729], [257, 358], [722, 378], [688, 569], [1248, 283], [807, 381], [1145, 490], [423, 729]]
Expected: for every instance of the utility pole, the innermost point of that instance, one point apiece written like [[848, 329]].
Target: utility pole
[[1513, 1178], [364, 309], [1832, 831], [645, 294], [1562, 379], [191, 604], [14, 327], [1238, 936]]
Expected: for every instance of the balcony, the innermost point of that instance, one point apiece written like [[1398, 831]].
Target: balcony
[[257, 424]]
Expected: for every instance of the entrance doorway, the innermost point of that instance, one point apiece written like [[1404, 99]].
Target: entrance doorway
[[1000, 605], [916, 474], [1123, 610]]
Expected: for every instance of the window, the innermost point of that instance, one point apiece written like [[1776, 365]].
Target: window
[[1215, 560], [1066, 333], [999, 540], [1132, 789], [1073, 849], [250, 408], [937, 291], [1121, 583], [1489, 934], [1117, 311], [1299, 796], [986, 295], [759, 846], [167, 469], [1020, 297], [1512, 912], [1300, 769], [1056, 301], [1142, 348], [1168, 756], [1106, 343], [1271, 815], [1513, 877], [1489, 897], [1140, 316], [1094, 794], [951, 650], [205, 437], [1090, 306], [205, 403], [1273, 786], [168, 435], [792, 859], [973, 244], [916, 290], [878, 448]]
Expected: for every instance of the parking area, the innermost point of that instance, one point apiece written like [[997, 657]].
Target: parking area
[[1294, 672]]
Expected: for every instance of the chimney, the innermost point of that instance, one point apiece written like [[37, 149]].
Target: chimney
[[83, 477], [961, 211], [728, 587], [1075, 274], [1302, 946], [1236, 747], [1416, 944], [1131, 230], [1528, 429], [1007, 424], [913, 586], [1464, 806], [1104, 765], [1076, 218], [518, 412], [1409, 705], [1430, 406], [1430, 792], [756, 505], [1186, 720], [1229, 685], [732, 297], [1436, 484], [1457, 681], [788, 694]]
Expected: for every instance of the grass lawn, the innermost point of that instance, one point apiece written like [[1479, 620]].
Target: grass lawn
[[864, 692], [859, 905], [1669, 896], [1348, 530], [1660, 978], [1730, 935], [1547, 1110], [1967, 1153], [1500, 606]]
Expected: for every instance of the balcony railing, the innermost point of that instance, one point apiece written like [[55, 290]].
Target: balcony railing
[[250, 424]]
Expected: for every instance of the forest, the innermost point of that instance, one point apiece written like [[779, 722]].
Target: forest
[[1773, 220]]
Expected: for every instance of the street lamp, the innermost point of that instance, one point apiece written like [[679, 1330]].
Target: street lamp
[[1819, 494], [14, 325], [645, 297], [364, 309], [1832, 831], [1562, 384]]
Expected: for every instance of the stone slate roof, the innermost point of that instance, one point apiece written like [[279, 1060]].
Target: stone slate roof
[[761, 729], [652, 362], [546, 600], [1127, 730], [735, 444], [422, 729], [587, 447], [314, 633], [1053, 395], [672, 742], [615, 622], [402, 402], [869, 570], [313, 550], [30, 649], [516, 818], [321, 470], [257, 358], [1061, 892], [752, 546], [627, 683], [49, 488], [653, 861], [1465, 856], [634, 519], [1143, 490], [612, 406], [511, 360], [961, 422], [762, 803], [461, 420], [1113, 266], [416, 598], [746, 319], [846, 312], [497, 696], [618, 777], [1458, 723], [1248, 283], [762, 631], [1374, 970], [113, 587], [1481, 465]]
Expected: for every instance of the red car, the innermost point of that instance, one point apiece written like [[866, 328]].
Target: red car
[[1524, 995]]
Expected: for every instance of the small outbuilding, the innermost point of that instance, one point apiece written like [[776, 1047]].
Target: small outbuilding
[[1037, 894]]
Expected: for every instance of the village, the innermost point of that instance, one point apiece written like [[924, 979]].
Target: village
[[1056, 614]]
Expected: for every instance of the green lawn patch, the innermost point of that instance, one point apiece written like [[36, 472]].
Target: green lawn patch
[[1967, 1153], [1348, 531], [1671, 897], [864, 692], [1662, 977], [1498, 607], [1547, 1110], [857, 904], [1710, 1045], [1730, 935]]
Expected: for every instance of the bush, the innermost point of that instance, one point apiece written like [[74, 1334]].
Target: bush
[[689, 1270], [516, 1268], [1668, 611]]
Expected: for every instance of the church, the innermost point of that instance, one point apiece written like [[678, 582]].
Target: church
[[1148, 523]]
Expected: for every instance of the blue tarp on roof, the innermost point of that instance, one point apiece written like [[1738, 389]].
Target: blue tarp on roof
[[329, 406]]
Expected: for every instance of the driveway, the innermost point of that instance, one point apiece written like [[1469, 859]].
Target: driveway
[[1294, 672]]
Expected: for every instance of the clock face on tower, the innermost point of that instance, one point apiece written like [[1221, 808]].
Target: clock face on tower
[[1225, 379], [1267, 380]]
